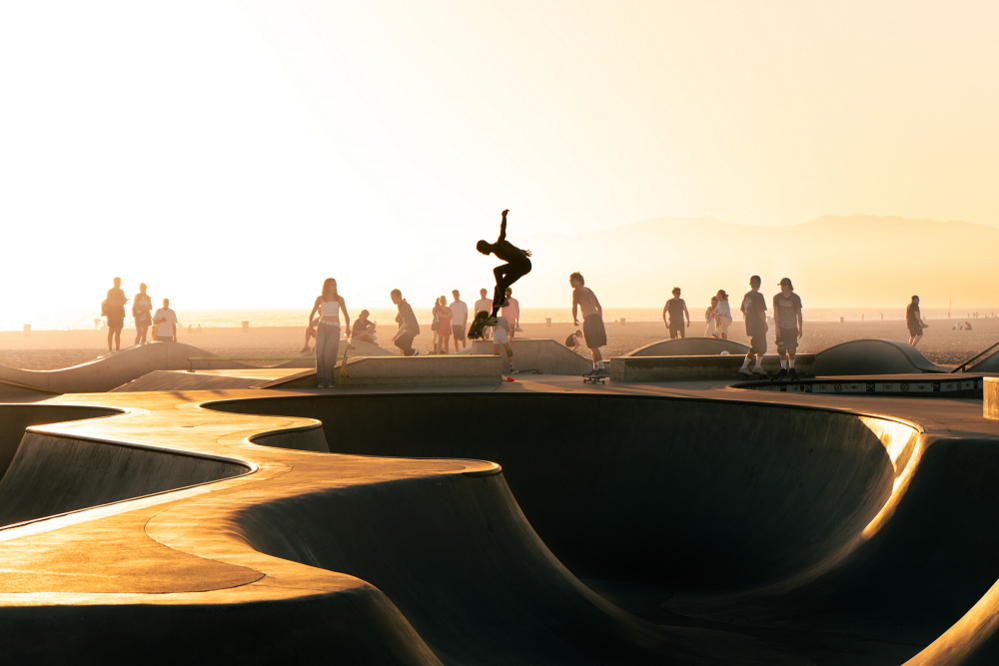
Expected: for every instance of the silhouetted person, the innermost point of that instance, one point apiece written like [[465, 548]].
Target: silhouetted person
[[443, 317], [754, 309], [459, 320], [409, 328], [517, 265], [914, 322], [328, 304], [677, 309], [363, 328], [114, 310], [593, 321], [142, 312], [165, 320], [787, 319]]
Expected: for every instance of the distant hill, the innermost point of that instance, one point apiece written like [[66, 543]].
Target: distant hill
[[858, 261]]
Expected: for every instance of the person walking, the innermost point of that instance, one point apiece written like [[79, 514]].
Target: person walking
[[787, 319], [517, 265], [459, 320], [444, 318], [594, 332], [114, 310], [754, 309], [723, 314], [409, 327], [710, 316], [914, 322], [676, 308], [142, 313], [328, 304], [166, 323]]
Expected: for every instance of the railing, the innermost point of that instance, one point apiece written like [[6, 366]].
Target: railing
[[974, 358]]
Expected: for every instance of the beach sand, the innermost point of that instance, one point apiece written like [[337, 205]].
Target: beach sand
[[47, 350]]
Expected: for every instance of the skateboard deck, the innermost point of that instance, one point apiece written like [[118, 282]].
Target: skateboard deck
[[343, 364], [594, 379], [478, 326]]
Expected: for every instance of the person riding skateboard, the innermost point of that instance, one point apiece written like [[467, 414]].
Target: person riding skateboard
[[517, 266]]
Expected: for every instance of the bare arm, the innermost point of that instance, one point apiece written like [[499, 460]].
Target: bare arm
[[801, 328], [502, 236], [575, 306], [346, 317], [686, 313], [596, 304]]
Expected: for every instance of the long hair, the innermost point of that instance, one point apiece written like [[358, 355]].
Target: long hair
[[329, 290]]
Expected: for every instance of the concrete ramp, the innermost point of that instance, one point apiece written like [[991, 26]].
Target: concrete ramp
[[108, 372], [206, 380], [546, 357], [691, 347], [872, 357], [373, 371]]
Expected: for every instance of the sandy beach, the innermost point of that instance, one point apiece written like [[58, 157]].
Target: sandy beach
[[46, 350]]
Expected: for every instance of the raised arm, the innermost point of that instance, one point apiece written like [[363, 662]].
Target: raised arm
[[502, 236]]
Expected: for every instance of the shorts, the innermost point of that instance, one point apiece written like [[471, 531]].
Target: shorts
[[458, 332], [723, 324], [787, 341], [677, 330], [915, 330], [499, 336], [116, 320], [758, 344], [594, 332]]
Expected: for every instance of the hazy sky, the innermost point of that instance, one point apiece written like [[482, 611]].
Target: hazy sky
[[236, 153]]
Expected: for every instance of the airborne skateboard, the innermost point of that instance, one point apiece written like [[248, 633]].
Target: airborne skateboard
[[478, 326]]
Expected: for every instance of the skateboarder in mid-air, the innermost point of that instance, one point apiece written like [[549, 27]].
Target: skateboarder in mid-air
[[517, 266]]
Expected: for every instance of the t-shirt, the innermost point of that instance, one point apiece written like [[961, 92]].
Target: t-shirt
[[165, 329], [753, 305], [787, 309], [407, 319], [674, 307], [459, 313], [512, 311], [912, 316], [361, 326], [483, 305]]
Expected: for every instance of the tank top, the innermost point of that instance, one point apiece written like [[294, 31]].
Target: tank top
[[331, 310]]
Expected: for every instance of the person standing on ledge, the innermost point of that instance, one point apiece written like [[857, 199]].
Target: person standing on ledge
[[914, 322], [114, 310], [787, 319], [328, 304], [677, 309], [754, 309], [165, 320], [142, 308], [459, 320], [593, 321], [409, 328], [517, 266]]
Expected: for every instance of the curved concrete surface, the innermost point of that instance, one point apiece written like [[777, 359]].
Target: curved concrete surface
[[770, 534], [691, 347], [988, 364], [872, 357], [543, 356], [108, 372]]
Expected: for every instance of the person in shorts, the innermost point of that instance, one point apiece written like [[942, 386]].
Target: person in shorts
[[459, 320], [754, 309], [914, 322], [114, 309], [594, 332], [677, 310], [409, 327], [787, 319], [166, 322], [501, 338]]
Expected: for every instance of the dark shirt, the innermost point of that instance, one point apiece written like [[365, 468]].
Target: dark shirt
[[361, 326], [787, 309], [912, 316], [116, 302], [755, 305], [674, 307], [407, 318]]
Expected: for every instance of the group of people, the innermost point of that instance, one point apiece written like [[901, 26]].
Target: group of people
[[113, 307], [718, 316]]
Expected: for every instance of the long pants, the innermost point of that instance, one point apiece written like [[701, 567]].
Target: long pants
[[327, 348], [506, 275], [405, 343]]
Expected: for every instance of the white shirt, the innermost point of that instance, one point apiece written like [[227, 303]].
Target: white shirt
[[459, 313], [483, 305], [165, 329]]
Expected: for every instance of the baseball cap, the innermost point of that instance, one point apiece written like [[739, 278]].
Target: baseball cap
[[786, 281]]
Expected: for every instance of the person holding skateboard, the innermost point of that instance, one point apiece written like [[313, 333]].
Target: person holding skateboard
[[593, 321], [517, 266]]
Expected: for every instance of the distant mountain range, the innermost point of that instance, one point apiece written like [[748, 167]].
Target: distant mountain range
[[854, 261]]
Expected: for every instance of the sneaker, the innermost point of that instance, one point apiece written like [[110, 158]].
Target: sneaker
[[320, 386], [746, 372], [792, 373], [513, 370], [600, 372], [416, 353], [759, 371], [492, 321], [505, 303], [782, 373]]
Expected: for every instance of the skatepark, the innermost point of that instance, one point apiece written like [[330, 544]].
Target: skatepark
[[239, 515]]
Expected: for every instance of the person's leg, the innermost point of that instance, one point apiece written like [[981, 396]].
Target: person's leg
[[916, 339], [117, 338], [509, 356], [445, 338], [110, 337], [321, 341], [332, 351], [506, 275], [682, 330]]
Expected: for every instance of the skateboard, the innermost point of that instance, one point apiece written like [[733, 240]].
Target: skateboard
[[595, 379], [478, 326], [343, 364]]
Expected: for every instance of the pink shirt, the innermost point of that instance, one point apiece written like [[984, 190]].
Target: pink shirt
[[512, 311]]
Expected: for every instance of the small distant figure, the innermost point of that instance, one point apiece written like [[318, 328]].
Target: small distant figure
[[787, 318], [459, 320], [914, 322], [710, 316], [97, 323], [166, 323], [443, 318], [518, 265], [754, 309], [594, 332], [676, 308], [310, 333], [363, 329], [328, 305], [512, 312], [882, 316], [409, 328], [113, 308], [484, 305], [967, 325], [501, 338], [723, 314], [142, 313]]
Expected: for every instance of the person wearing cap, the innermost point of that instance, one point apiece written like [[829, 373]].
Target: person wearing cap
[[723, 314], [754, 309], [677, 309], [787, 318], [914, 322]]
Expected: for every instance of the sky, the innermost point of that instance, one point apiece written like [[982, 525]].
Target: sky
[[234, 154]]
